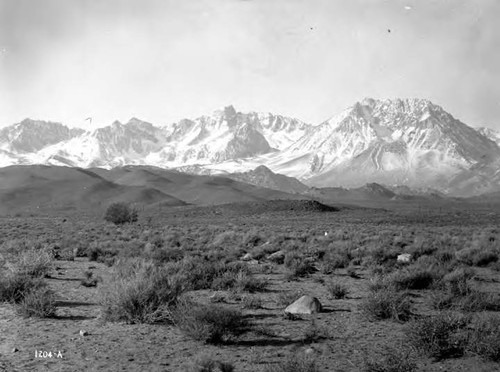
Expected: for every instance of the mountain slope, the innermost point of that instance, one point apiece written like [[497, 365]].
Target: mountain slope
[[34, 135], [408, 142], [264, 177]]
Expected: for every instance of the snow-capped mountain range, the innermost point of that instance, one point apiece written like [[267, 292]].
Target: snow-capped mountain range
[[410, 142]]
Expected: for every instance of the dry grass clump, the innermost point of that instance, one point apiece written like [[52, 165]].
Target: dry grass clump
[[392, 360], [14, 287], [484, 338], [213, 324], [455, 292], [439, 336], [90, 280], [31, 262], [141, 292], [38, 303], [21, 280], [251, 302], [387, 303], [297, 266], [337, 290]]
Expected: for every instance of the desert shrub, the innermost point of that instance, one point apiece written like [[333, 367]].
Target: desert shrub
[[414, 278], [217, 275], [392, 360], [89, 279], [14, 286], [211, 323], [337, 290], [456, 282], [295, 363], [246, 282], [485, 337], [206, 363], [477, 256], [251, 302], [32, 262], [101, 251], [351, 271], [334, 261], [163, 255], [297, 266], [439, 336], [380, 254], [146, 293], [120, 213], [478, 301], [39, 303], [484, 258], [445, 256], [387, 303]]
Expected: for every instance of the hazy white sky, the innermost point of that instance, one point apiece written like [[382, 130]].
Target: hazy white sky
[[162, 60]]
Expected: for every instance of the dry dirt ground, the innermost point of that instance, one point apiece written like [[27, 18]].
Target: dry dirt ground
[[346, 338]]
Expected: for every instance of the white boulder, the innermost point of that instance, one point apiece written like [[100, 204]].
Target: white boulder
[[405, 257], [304, 305]]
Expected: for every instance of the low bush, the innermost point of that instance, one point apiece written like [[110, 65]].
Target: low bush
[[89, 280], [334, 261], [145, 294], [297, 266], [211, 323], [392, 360], [14, 286], [251, 302], [39, 303], [32, 262], [120, 213], [216, 275], [246, 282], [439, 336], [337, 290], [387, 304], [485, 337], [414, 278]]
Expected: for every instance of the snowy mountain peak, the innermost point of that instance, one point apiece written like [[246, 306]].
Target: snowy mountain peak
[[411, 142]]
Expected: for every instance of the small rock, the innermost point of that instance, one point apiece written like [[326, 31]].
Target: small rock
[[246, 257], [309, 351], [405, 257], [15, 350], [253, 262], [278, 256], [83, 333], [304, 305]]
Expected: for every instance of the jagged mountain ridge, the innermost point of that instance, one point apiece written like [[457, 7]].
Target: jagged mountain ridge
[[410, 142]]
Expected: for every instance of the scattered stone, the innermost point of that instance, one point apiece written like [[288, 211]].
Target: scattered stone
[[15, 350], [405, 257], [246, 257], [309, 351], [83, 333], [278, 256], [304, 305]]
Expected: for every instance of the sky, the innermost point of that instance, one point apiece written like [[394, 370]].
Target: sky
[[163, 60]]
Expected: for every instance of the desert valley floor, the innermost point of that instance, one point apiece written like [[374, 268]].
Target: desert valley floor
[[438, 312]]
